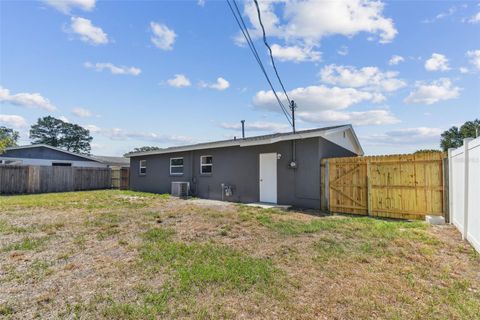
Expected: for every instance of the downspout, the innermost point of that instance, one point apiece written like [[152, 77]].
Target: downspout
[[193, 179], [294, 152]]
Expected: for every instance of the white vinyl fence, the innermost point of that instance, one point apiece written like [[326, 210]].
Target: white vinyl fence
[[464, 190]]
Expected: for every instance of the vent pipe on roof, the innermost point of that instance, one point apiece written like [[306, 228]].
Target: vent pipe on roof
[[243, 128]]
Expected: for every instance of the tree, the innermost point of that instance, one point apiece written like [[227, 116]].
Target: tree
[[427, 151], [145, 149], [57, 133], [8, 138], [453, 137], [47, 130]]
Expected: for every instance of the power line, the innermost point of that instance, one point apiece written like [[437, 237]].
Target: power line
[[246, 34], [251, 44], [270, 51]]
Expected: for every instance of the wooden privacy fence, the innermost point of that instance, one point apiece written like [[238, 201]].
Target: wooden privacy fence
[[398, 186], [120, 178], [41, 179]]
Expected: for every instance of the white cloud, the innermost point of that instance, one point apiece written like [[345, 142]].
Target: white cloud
[[450, 11], [66, 6], [201, 3], [368, 78], [416, 136], [11, 120], [295, 53], [438, 62], [257, 126], [87, 31], [179, 81], [320, 104], [359, 118], [343, 51], [438, 90], [474, 56], [163, 37], [93, 128], [309, 21], [318, 98], [100, 66], [442, 15], [64, 119], [395, 59], [463, 70], [26, 100], [82, 112], [475, 18], [220, 84], [121, 134]]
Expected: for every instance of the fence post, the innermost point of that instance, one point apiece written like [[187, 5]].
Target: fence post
[[465, 217], [445, 193], [327, 185], [450, 184], [369, 189]]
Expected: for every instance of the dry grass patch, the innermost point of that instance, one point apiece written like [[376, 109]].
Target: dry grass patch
[[127, 255]]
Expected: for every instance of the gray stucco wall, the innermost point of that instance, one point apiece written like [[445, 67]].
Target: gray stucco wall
[[41, 153], [239, 167]]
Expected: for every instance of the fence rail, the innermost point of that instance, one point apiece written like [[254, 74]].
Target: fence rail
[[397, 186], [464, 191], [41, 179]]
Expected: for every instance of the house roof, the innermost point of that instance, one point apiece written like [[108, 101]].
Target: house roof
[[113, 161], [53, 148], [326, 132]]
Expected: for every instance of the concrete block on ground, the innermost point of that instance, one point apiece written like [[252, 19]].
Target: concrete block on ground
[[435, 220]]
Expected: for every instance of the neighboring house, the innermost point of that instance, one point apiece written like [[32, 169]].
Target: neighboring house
[[282, 168], [45, 155], [113, 162]]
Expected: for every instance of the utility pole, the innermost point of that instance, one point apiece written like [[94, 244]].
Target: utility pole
[[293, 106]]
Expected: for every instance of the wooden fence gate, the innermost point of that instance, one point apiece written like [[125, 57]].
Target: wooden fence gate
[[398, 186], [120, 178]]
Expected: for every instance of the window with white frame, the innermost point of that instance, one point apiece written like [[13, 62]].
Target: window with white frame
[[206, 164], [176, 166], [142, 167]]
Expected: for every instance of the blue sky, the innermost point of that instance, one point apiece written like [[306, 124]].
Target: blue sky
[[173, 72]]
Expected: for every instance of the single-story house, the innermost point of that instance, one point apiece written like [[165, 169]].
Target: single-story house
[[113, 162], [281, 168], [45, 155]]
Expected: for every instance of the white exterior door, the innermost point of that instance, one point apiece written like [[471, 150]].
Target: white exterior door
[[268, 177]]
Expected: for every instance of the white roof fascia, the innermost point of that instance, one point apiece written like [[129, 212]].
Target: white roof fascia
[[335, 136]]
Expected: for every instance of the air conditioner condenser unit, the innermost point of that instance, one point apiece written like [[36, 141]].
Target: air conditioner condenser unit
[[180, 189]]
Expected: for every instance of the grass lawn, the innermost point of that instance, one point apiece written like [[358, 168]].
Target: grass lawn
[[128, 255]]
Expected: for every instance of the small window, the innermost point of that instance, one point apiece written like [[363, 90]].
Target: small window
[[143, 167], [61, 164], [176, 166], [206, 164]]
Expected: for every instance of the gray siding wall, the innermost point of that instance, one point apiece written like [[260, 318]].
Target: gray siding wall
[[239, 167], [41, 153]]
